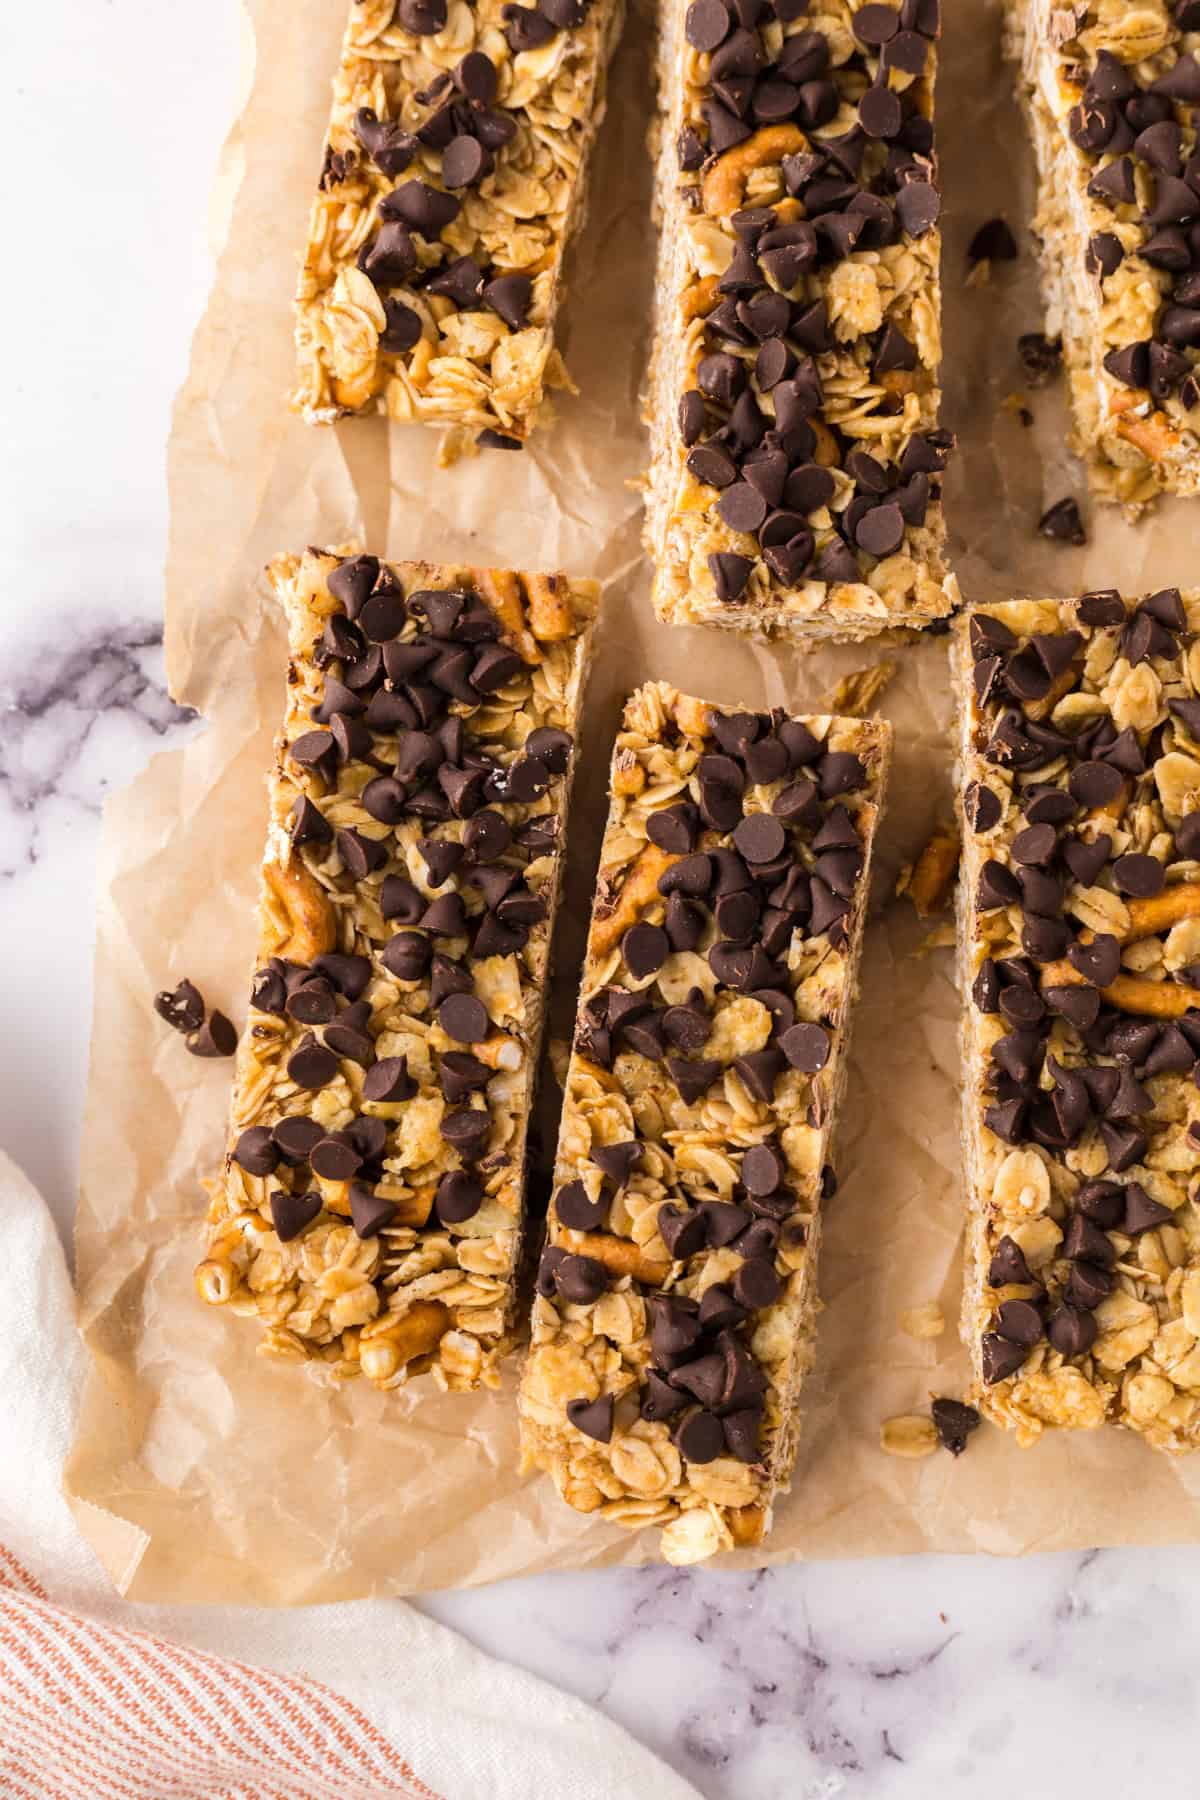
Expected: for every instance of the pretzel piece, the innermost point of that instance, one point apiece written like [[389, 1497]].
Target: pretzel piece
[[638, 890], [725, 182]]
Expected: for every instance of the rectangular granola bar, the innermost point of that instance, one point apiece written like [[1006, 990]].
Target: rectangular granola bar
[[1080, 965], [795, 487], [677, 1294], [369, 1212], [1110, 92], [454, 175]]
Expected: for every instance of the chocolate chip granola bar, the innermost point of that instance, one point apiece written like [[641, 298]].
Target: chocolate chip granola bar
[[1080, 956], [795, 488], [370, 1207], [1111, 92], [677, 1293], [454, 174]]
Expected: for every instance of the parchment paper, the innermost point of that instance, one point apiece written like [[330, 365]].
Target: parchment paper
[[202, 1471]]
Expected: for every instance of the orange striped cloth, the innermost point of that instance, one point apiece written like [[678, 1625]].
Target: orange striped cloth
[[96, 1712], [102, 1700]]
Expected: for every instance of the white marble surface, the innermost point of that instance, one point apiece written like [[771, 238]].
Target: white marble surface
[[887, 1680]]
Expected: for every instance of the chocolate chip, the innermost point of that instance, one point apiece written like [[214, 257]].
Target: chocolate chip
[[290, 1213], [1008, 1265], [1085, 1241], [880, 113], [756, 1284], [1071, 1331], [645, 949], [874, 24], [918, 205], [467, 1130], [760, 838], [763, 1169], [1098, 962], [182, 1007], [580, 1279], [465, 162], [1087, 1285], [576, 1211], [526, 28], [1139, 876], [1141, 1212], [1019, 1322], [706, 24], [683, 1230], [390, 257], [880, 531], [954, 1422], [1094, 784], [594, 1418], [617, 1161], [693, 1079], [464, 1018], [216, 1037], [510, 296], [458, 1197], [296, 1135], [699, 1438], [424, 18], [256, 1151], [388, 1081], [730, 573], [1000, 1358], [1063, 523]]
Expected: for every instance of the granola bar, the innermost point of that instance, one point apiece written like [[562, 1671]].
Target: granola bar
[[677, 1293], [1110, 91], [369, 1210], [795, 488], [1080, 962], [454, 174]]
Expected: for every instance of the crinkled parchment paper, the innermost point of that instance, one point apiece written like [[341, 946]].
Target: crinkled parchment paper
[[204, 1472]]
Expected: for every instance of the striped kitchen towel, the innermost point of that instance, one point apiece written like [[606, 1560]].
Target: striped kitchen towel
[[101, 1700]]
